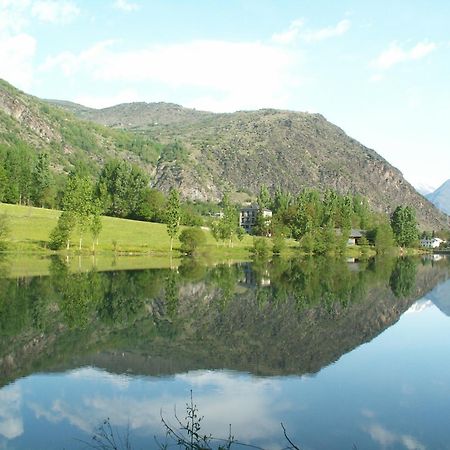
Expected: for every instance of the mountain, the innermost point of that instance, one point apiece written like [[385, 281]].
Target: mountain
[[28, 121], [135, 116], [242, 150], [441, 197], [204, 154]]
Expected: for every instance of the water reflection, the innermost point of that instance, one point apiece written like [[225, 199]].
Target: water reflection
[[124, 344], [268, 318]]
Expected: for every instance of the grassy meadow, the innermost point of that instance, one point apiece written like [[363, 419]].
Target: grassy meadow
[[122, 244], [30, 228]]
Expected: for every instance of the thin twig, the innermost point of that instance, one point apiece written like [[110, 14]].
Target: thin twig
[[288, 439]]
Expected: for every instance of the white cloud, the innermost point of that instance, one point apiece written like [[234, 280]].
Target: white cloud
[[16, 59], [395, 54], [295, 31], [125, 5], [53, 11], [325, 33], [13, 16], [70, 64], [288, 36], [375, 78], [252, 74]]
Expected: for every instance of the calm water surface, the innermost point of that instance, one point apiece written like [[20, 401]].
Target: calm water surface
[[342, 353]]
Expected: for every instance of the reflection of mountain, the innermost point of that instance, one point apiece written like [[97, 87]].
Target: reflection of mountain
[[440, 296], [160, 322]]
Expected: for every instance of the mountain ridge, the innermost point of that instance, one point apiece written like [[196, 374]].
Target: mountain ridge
[[213, 153]]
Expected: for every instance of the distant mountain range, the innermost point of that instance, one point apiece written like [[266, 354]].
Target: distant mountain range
[[441, 197], [204, 154]]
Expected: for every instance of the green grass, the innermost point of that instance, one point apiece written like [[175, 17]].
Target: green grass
[[30, 228]]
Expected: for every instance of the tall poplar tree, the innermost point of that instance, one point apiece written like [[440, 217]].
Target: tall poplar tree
[[78, 200], [404, 226], [173, 215]]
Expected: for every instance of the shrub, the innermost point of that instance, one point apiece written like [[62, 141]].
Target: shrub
[[4, 230], [60, 235], [260, 248], [279, 244], [191, 239]]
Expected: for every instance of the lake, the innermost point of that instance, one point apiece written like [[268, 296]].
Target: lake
[[345, 354]]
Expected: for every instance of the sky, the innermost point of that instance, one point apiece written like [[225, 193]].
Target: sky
[[378, 69]]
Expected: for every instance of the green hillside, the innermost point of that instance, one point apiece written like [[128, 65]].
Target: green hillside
[[239, 152], [204, 155], [26, 121]]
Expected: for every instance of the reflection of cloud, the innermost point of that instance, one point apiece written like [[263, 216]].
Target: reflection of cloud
[[249, 404], [420, 306], [89, 373], [90, 412], [387, 438], [368, 413], [11, 425]]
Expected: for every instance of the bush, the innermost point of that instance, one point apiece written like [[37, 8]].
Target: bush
[[4, 230], [60, 235], [279, 244], [260, 248], [191, 239]]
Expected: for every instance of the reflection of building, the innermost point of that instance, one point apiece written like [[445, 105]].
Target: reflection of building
[[431, 243], [248, 216], [254, 279]]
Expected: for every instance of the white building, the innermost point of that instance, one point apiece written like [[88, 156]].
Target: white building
[[431, 243], [248, 215]]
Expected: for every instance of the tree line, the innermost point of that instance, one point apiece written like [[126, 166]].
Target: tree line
[[122, 189]]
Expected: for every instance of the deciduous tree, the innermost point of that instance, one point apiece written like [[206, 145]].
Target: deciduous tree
[[173, 215]]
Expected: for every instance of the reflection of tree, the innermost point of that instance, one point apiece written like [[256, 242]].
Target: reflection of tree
[[403, 277], [122, 298], [78, 298], [171, 293], [225, 277], [284, 325], [192, 269]]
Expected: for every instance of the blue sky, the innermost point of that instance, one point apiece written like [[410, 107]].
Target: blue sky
[[378, 69]]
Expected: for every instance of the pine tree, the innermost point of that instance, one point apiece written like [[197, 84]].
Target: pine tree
[[41, 181]]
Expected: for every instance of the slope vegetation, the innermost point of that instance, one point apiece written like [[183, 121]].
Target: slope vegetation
[[241, 151], [205, 154]]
